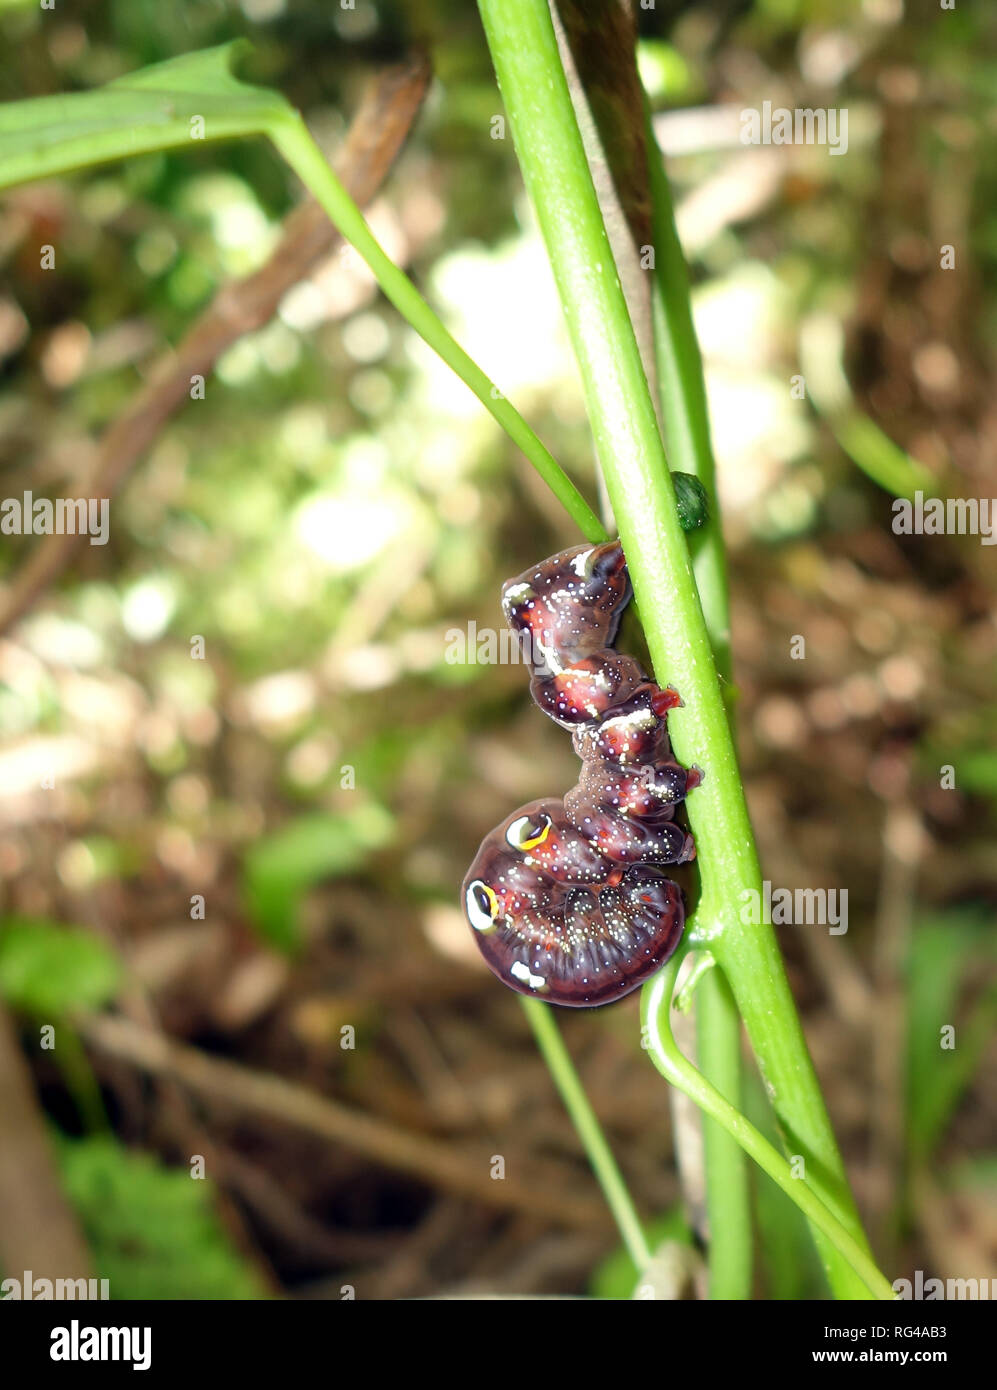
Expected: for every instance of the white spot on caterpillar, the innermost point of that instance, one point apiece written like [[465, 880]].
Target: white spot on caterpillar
[[637, 718], [550, 658], [522, 973], [579, 562]]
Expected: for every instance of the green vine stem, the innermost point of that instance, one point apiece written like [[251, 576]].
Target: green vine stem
[[686, 428], [576, 1102], [655, 1004], [684, 411], [822, 347], [292, 139], [551, 156], [728, 1191]]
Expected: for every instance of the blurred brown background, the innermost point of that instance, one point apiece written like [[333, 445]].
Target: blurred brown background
[[320, 1030]]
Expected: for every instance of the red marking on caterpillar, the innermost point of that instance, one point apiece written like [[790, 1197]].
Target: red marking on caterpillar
[[567, 898]]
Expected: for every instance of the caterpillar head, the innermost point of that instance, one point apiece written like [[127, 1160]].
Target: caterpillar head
[[570, 605]]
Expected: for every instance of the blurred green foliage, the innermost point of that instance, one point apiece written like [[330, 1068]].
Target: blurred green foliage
[[280, 867], [153, 1231], [949, 953], [48, 969]]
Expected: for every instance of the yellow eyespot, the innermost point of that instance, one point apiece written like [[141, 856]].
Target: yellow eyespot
[[482, 906], [526, 833]]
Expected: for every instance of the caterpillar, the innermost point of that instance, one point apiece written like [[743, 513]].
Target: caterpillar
[[567, 899]]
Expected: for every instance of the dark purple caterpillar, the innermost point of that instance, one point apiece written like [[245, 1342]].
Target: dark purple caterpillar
[[567, 899]]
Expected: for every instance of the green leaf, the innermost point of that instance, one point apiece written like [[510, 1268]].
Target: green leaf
[[183, 101], [153, 1231], [48, 969], [790, 1268], [279, 869]]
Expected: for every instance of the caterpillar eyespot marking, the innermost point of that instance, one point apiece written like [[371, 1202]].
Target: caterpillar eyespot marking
[[481, 906], [568, 899]]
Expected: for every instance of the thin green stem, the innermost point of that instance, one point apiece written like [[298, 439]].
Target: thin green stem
[[624, 426], [728, 1191], [576, 1102], [292, 139], [655, 1004], [822, 345], [684, 411], [686, 428]]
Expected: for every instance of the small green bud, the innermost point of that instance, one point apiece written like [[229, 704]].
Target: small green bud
[[693, 504]]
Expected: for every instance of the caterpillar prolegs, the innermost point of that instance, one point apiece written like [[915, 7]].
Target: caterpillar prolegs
[[567, 899]]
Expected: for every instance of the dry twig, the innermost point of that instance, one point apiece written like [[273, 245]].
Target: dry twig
[[541, 1192]]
